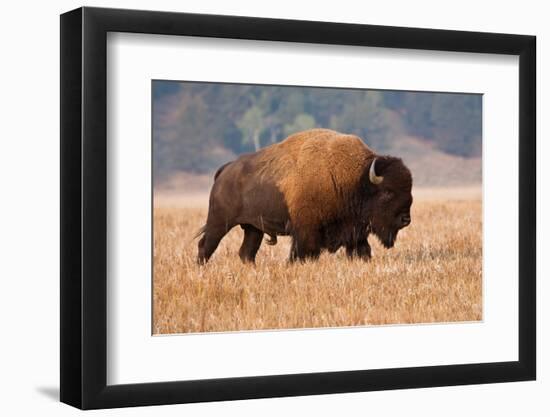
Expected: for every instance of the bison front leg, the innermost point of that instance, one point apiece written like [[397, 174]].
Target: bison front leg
[[251, 243], [305, 245], [361, 249]]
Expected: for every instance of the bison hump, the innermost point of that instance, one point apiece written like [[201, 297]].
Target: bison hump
[[316, 171]]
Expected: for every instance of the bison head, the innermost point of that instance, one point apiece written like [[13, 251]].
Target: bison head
[[388, 183]]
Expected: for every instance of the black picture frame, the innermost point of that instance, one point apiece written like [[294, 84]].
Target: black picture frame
[[84, 207]]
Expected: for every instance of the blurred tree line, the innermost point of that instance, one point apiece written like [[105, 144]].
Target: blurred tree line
[[199, 126]]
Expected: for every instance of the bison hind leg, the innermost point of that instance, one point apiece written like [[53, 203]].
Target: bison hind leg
[[251, 243], [210, 241]]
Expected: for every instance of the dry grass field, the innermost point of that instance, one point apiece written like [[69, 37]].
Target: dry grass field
[[433, 274]]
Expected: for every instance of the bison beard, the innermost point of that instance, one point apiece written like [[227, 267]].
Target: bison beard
[[325, 189]]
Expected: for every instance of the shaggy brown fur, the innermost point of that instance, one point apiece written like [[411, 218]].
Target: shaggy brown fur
[[314, 186], [317, 171]]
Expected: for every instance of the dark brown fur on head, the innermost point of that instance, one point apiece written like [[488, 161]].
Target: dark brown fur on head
[[382, 209], [387, 205]]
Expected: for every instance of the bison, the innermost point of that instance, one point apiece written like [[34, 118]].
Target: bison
[[325, 189]]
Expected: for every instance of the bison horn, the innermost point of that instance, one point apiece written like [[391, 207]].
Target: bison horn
[[375, 179]]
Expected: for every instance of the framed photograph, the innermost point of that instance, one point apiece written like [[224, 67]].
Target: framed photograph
[[260, 208]]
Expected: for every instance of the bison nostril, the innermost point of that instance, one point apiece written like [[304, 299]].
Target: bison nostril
[[406, 220]]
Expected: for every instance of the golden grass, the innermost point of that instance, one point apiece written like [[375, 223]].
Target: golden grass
[[433, 274]]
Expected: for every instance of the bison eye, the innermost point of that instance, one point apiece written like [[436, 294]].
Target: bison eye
[[386, 196]]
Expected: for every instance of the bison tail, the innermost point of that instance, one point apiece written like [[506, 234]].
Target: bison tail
[[199, 232], [272, 240]]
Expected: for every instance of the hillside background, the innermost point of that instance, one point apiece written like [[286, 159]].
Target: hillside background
[[199, 126]]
